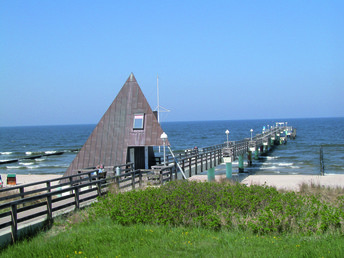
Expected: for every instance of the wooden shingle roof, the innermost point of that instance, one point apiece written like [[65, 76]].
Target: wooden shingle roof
[[109, 141]]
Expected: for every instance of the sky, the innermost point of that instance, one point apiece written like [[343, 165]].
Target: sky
[[64, 62]]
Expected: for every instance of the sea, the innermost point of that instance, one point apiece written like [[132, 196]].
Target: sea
[[298, 156]]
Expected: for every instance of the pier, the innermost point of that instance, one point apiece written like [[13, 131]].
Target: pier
[[26, 206], [196, 161]]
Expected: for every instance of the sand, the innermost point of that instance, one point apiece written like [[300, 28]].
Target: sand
[[27, 179], [285, 182]]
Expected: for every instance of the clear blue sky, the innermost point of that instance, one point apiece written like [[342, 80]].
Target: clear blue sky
[[64, 62]]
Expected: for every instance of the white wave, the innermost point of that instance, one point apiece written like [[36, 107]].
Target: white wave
[[271, 157], [50, 152], [33, 167], [14, 167], [285, 164], [6, 153], [26, 163], [267, 168], [295, 167], [40, 159], [28, 153]]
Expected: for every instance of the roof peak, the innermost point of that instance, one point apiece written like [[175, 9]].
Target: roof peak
[[132, 77]]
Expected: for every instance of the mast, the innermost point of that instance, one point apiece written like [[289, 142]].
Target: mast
[[157, 85], [159, 108]]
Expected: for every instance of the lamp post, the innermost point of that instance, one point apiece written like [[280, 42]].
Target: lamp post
[[227, 133], [163, 137], [251, 133]]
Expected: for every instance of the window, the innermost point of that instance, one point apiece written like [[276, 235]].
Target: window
[[138, 121]]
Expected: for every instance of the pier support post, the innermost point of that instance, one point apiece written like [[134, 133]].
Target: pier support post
[[249, 158], [241, 163], [211, 174], [256, 155], [229, 170]]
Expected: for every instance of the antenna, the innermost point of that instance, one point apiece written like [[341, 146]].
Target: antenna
[[159, 108]]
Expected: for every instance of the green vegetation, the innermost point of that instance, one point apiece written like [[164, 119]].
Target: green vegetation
[[190, 219], [258, 209]]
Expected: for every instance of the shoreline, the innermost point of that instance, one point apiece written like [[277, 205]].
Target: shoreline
[[284, 182], [280, 182]]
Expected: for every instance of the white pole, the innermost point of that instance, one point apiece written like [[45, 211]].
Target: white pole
[[157, 85]]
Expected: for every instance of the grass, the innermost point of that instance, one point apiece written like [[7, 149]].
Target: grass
[[192, 219], [104, 238]]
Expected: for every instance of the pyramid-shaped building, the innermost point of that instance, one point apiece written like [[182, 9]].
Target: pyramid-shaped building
[[126, 133]]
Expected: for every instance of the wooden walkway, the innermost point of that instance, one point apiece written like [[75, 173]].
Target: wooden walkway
[[21, 207]]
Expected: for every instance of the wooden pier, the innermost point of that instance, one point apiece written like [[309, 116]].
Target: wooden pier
[[22, 207]]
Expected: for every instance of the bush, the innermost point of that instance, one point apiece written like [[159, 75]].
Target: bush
[[259, 209]]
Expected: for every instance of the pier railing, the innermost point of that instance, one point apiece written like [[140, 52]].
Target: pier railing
[[22, 205]]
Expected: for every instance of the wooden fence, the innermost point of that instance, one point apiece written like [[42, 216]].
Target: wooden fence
[[22, 205]]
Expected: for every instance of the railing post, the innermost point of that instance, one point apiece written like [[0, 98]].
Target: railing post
[[70, 182], [196, 164], [140, 179], [21, 190], [117, 179], [14, 225], [76, 197], [201, 162], [160, 177], [133, 180], [49, 209], [48, 186], [190, 167], [99, 189]]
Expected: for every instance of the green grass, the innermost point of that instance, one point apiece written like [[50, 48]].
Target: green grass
[[192, 219], [104, 238]]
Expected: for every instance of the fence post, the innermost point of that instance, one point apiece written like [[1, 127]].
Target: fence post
[[99, 189], [322, 166], [160, 177], [133, 180], [14, 225], [196, 164], [49, 209], [22, 195], [117, 179], [190, 167], [77, 203], [140, 179], [48, 186]]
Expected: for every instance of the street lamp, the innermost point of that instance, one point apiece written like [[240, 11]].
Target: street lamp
[[227, 133], [164, 137], [251, 133]]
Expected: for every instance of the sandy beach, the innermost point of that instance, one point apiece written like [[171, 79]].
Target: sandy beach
[[285, 182], [27, 179]]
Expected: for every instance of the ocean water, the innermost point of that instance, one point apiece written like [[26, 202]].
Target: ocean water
[[299, 156]]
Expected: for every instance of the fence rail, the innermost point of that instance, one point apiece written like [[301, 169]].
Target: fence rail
[[47, 201]]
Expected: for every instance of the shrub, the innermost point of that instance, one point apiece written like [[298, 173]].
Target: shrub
[[259, 209]]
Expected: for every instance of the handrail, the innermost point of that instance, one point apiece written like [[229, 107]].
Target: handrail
[[78, 192]]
